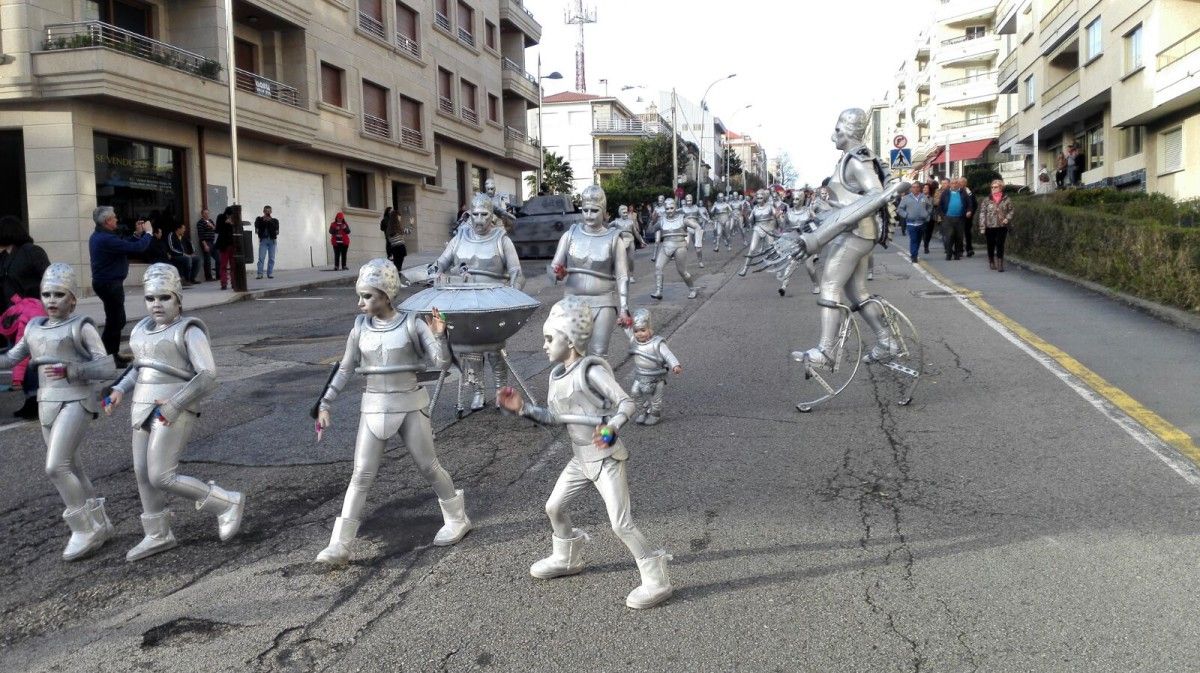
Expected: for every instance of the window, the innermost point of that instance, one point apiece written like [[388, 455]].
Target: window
[[1170, 150], [1095, 36], [406, 29], [445, 77], [1133, 49], [331, 85], [975, 32], [493, 109], [375, 110], [132, 16], [1095, 147], [467, 100], [466, 18], [479, 175], [1132, 139], [489, 34], [410, 122], [1030, 91], [356, 189]]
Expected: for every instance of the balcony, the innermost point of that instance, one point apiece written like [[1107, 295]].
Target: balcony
[[968, 49], [514, 16], [376, 127], [1008, 132], [967, 91], [412, 138], [520, 147], [269, 88], [1006, 77], [1006, 17], [610, 161], [516, 80], [408, 46], [966, 130], [371, 25], [1057, 24], [1061, 98], [1176, 52], [627, 127], [1177, 66], [963, 11], [92, 34]]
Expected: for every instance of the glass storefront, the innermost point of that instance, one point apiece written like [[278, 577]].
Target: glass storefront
[[139, 179]]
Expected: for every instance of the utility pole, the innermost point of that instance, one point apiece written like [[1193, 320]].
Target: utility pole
[[581, 16], [239, 260], [674, 145]]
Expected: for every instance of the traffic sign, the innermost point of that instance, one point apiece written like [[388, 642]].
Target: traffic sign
[[901, 158], [900, 142]]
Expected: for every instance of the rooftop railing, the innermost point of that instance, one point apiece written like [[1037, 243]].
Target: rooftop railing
[[87, 34]]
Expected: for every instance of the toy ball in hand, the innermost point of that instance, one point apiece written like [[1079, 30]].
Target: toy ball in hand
[[608, 435]]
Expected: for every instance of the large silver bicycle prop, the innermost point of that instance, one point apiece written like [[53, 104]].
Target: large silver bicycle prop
[[901, 367], [480, 317]]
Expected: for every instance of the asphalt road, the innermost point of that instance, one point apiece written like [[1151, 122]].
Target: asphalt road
[[999, 523]]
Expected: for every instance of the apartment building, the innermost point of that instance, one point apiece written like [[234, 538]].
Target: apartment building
[[342, 105], [1119, 79], [752, 155]]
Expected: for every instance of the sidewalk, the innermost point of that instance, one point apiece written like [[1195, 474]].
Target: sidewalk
[[203, 295]]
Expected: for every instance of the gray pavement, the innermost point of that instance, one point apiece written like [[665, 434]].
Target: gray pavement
[[1000, 523]]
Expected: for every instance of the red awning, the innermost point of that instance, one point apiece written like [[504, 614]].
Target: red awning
[[967, 151]]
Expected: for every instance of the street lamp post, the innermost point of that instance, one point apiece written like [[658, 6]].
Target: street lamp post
[[735, 113], [703, 110], [239, 260], [537, 188]]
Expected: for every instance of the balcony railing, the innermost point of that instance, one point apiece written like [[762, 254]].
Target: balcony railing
[[88, 34], [515, 135], [1185, 46], [1008, 130], [268, 88], [1008, 68], [965, 38], [513, 66], [466, 37], [412, 138], [627, 126], [1062, 85], [376, 126], [1054, 12], [441, 21], [991, 74], [611, 160], [978, 121], [446, 105], [370, 24], [469, 115], [408, 45], [525, 9]]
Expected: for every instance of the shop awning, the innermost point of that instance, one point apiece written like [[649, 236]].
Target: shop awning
[[967, 151]]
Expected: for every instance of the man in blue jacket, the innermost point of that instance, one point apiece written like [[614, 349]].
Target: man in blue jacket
[[110, 265], [957, 206]]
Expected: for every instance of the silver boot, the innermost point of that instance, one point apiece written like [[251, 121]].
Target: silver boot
[[158, 538], [656, 584], [565, 559], [658, 286], [457, 524], [95, 507], [228, 506], [338, 551], [86, 536]]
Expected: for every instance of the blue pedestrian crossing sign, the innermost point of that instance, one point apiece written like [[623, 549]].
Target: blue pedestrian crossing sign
[[902, 158]]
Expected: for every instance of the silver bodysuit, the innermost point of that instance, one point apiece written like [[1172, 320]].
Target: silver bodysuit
[[652, 361], [673, 233], [598, 274], [763, 220]]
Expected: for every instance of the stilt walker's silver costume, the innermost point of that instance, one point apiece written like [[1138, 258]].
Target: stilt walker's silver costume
[[585, 396], [857, 189], [652, 361], [629, 231], [692, 211], [390, 348], [593, 260], [172, 371], [673, 230], [69, 355], [764, 219], [481, 253], [722, 217]]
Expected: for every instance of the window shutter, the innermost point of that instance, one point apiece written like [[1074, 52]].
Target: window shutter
[[1171, 150]]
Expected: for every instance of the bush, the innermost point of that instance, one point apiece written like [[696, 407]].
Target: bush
[[1143, 257]]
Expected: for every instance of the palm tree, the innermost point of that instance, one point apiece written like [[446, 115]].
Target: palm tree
[[557, 175]]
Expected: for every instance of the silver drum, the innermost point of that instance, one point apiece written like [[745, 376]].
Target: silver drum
[[480, 317]]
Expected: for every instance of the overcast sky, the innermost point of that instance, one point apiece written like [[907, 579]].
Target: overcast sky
[[798, 63]]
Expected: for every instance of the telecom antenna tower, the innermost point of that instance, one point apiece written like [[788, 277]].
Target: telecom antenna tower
[[581, 16]]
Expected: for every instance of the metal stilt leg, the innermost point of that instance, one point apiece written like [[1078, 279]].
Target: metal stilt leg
[[516, 375]]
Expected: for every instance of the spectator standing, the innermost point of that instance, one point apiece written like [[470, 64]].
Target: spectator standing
[[339, 238], [995, 217], [224, 246], [928, 190], [1060, 169], [110, 265], [206, 231], [22, 264], [914, 212], [1076, 166], [394, 232], [1044, 186], [955, 207], [968, 222], [267, 229], [183, 257]]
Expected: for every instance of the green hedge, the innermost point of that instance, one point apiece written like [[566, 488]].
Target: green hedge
[[1141, 257]]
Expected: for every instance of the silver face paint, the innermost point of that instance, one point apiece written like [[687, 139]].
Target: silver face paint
[[163, 307]]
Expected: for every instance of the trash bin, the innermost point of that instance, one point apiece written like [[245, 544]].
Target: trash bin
[[248, 243]]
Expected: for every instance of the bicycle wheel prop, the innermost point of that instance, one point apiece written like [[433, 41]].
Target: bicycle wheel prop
[[823, 382], [904, 371]]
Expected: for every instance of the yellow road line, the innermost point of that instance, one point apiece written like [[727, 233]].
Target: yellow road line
[[1159, 426]]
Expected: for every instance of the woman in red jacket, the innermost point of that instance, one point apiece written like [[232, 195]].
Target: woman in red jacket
[[339, 237]]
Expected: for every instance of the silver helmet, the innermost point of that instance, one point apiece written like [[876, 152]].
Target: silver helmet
[[61, 276], [162, 277], [641, 319], [380, 274], [572, 317]]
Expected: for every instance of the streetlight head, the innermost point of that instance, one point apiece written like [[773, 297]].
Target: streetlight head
[[554, 75], [731, 76]]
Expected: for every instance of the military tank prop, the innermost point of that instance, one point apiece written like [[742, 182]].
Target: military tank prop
[[540, 222]]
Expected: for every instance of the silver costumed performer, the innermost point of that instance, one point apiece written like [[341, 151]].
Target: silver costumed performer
[[692, 211], [390, 348], [857, 192], [585, 396], [592, 258], [652, 361], [172, 371], [69, 356], [632, 234], [722, 217], [499, 204], [765, 220], [673, 230], [481, 253]]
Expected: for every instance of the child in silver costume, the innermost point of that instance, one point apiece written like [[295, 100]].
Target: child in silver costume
[[585, 396], [173, 370], [652, 361], [69, 355], [390, 348]]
